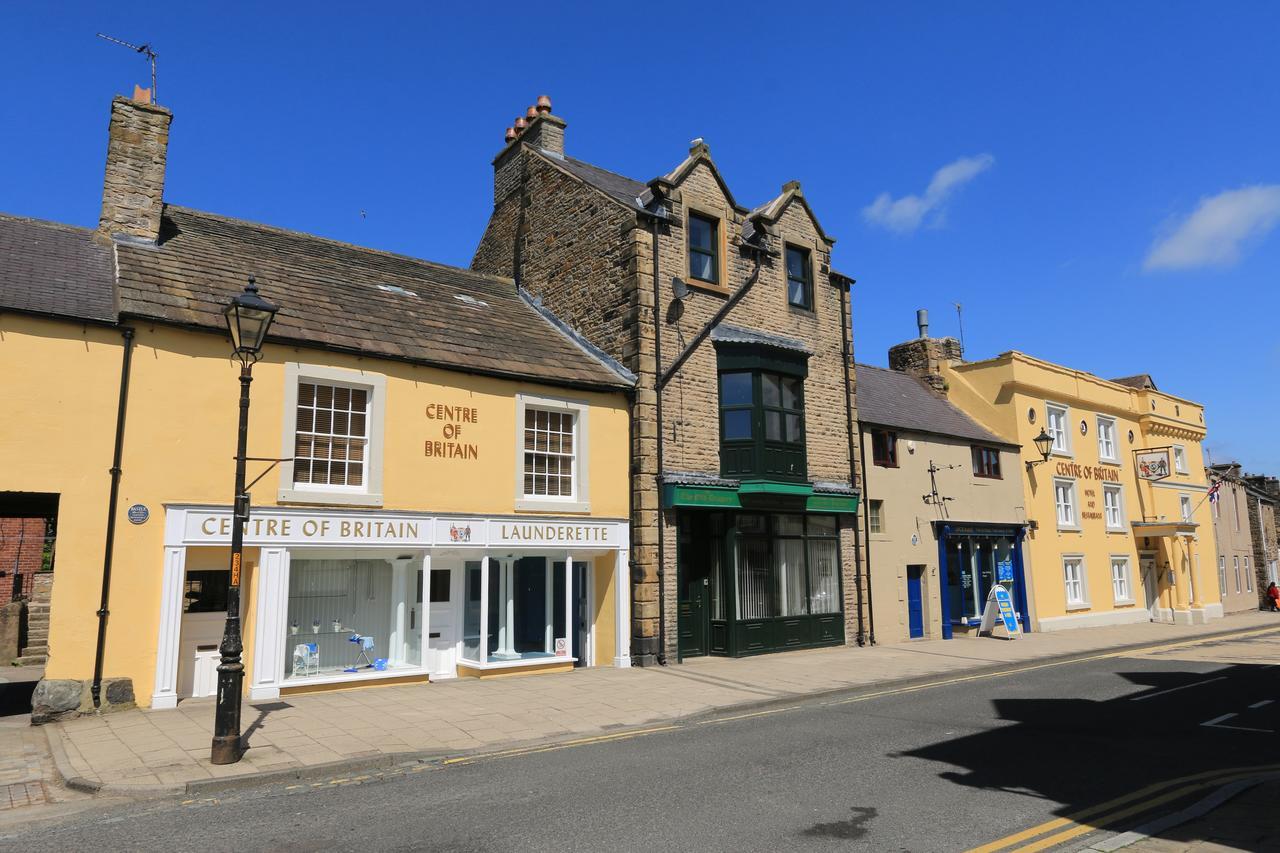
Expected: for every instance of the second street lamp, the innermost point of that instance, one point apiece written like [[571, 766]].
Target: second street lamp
[[1044, 446], [249, 317]]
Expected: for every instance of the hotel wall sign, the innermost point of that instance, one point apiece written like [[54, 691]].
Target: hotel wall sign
[[1088, 472], [1152, 464]]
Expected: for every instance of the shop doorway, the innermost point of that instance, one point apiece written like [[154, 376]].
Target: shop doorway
[[915, 601], [442, 625]]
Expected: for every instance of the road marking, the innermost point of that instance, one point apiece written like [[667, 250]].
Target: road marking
[[531, 750], [1217, 720], [1205, 777], [1175, 689], [1262, 704]]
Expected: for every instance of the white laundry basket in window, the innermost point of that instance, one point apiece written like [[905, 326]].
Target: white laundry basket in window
[[204, 672]]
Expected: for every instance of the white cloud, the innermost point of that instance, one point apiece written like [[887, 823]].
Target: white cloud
[[1212, 235], [909, 212]]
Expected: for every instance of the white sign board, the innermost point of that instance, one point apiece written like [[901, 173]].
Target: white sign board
[[1152, 464]]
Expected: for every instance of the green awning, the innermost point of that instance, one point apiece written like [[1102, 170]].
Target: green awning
[[729, 497]]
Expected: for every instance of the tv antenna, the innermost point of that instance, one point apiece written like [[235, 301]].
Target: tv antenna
[[960, 321], [146, 51]]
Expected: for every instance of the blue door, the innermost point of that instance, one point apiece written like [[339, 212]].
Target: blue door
[[915, 606]]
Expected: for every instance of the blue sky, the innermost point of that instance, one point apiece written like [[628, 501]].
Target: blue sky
[[1095, 182]]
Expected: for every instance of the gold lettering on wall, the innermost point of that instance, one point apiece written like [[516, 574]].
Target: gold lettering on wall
[[453, 419]]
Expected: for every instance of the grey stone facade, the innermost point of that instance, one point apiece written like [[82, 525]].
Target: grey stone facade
[[133, 191], [585, 247]]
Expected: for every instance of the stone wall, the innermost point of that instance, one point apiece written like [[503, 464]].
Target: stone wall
[[1264, 521], [133, 190], [924, 358]]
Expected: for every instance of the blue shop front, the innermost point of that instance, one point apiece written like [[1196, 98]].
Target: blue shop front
[[973, 557]]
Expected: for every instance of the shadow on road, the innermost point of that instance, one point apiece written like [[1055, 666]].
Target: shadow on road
[[1118, 763]]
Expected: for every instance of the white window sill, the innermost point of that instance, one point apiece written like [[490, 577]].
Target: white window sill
[[1125, 602], [1068, 528], [517, 662], [1106, 460], [550, 505], [1079, 605], [1123, 531], [342, 677], [1065, 454], [308, 496]]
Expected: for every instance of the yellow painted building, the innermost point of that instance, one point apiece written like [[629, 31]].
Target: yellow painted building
[[454, 491], [1105, 545]]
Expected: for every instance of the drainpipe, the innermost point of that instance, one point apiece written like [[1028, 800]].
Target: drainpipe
[[631, 512], [657, 359], [847, 359], [866, 514], [112, 501]]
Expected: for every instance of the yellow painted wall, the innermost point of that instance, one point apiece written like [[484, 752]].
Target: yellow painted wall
[[603, 609], [179, 448], [1001, 393]]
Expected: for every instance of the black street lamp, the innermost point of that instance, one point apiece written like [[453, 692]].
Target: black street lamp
[[248, 318], [1044, 446]]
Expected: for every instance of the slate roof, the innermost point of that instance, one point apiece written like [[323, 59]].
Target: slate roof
[[60, 270], [894, 399], [738, 335], [332, 295], [1141, 381], [618, 187]]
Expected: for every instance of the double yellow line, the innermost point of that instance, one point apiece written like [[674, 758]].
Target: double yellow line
[[1107, 814]]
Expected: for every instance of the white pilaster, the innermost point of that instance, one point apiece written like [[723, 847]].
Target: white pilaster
[[569, 627], [622, 611], [549, 607], [483, 652], [271, 637], [165, 691], [398, 647]]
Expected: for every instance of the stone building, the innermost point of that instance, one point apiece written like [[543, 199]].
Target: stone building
[[1264, 529], [744, 456], [1232, 529]]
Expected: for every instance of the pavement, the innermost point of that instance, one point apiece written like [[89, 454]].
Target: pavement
[[147, 753], [1049, 755]]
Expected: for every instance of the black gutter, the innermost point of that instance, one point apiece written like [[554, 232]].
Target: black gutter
[[657, 361], [666, 376], [866, 515], [112, 501], [847, 360], [632, 471]]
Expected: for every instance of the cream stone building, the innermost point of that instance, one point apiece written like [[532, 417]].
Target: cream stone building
[[943, 504], [1233, 534]]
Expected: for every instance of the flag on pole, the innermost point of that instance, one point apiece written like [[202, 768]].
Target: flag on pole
[[1213, 492]]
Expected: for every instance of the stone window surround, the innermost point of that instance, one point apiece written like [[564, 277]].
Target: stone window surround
[[1128, 578], [1180, 459], [370, 494], [809, 254], [1118, 490], [581, 499], [1074, 524], [1083, 602], [724, 219], [1049, 408], [1110, 422]]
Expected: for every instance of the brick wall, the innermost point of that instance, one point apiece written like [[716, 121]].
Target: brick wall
[[22, 544]]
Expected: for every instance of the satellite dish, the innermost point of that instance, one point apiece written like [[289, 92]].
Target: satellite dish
[[679, 288]]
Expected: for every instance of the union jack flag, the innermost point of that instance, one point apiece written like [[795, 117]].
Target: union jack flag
[[1213, 492]]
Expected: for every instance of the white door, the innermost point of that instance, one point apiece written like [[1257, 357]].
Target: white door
[[1150, 584], [442, 640]]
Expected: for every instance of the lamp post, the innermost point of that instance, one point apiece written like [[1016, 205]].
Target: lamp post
[[1044, 446], [248, 318]]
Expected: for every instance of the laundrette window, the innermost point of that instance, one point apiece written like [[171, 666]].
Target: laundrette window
[[517, 613], [350, 616]]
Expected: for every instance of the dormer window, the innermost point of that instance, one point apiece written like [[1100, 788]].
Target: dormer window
[[799, 278], [704, 255]]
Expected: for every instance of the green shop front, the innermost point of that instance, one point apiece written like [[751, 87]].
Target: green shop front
[[758, 565]]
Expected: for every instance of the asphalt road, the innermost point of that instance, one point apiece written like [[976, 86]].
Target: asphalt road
[[945, 768]]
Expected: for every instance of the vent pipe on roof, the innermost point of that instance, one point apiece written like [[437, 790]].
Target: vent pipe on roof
[[922, 321]]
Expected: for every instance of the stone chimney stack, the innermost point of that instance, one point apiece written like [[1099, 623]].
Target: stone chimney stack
[[924, 357], [538, 128], [137, 147]]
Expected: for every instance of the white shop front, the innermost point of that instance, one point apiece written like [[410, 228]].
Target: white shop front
[[338, 596]]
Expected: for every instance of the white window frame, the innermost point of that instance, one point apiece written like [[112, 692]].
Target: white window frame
[[1185, 510], [1065, 432], [1117, 490], [1222, 574], [875, 513], [1180, 458], [369, 494], [1235, 567], [1081, 603], [1248, 575], [1127, 579], [1110, 433], [1074, 523], [580, 500]]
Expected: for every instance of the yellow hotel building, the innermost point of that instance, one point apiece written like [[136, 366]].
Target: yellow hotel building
[[453, 495], [1104, 546]]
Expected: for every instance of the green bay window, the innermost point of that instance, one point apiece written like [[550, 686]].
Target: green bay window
[[762, 425]]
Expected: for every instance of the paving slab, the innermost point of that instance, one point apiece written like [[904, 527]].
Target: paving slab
[[144, 751]]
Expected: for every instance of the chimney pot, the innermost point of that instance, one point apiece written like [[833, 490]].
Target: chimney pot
[[511, 134], [520, 124], [141, 95], [531, 113], [544, 105], [922, 322]]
